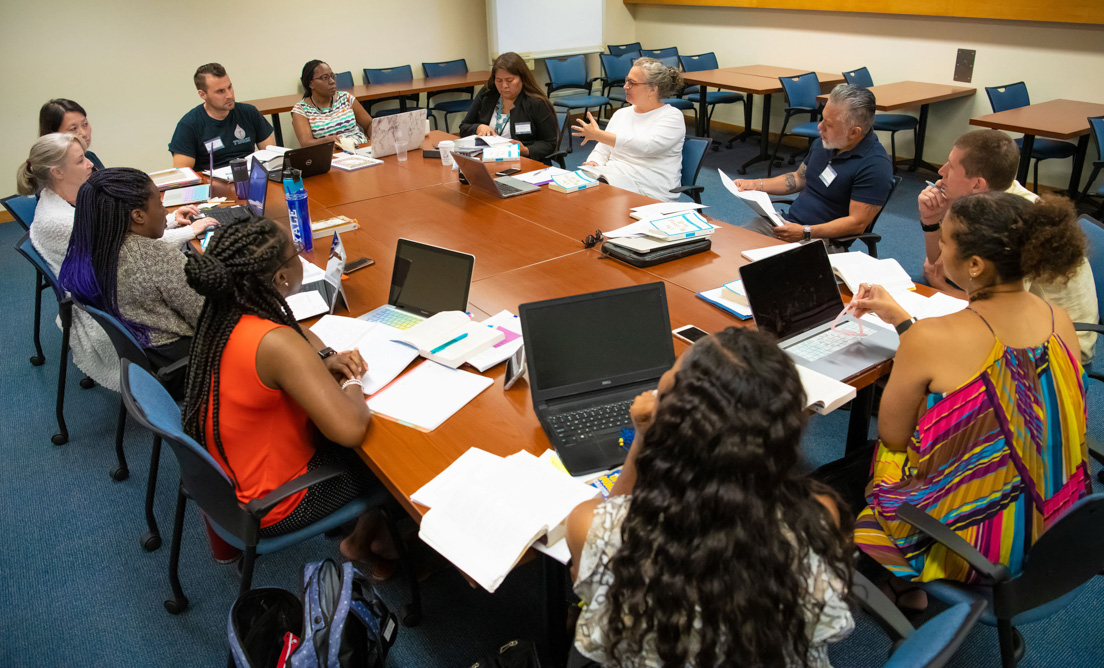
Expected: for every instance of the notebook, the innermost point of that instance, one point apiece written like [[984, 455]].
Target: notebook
[[187, 195], [450, 338], [427, 395], [424, 281]]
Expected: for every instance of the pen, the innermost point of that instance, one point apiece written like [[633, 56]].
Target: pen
[[941, 188], [446, 344]]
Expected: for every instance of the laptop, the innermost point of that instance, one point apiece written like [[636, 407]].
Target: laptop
[[256, 195], [411, 125], [310, 160], [425, 281], [588, 357], [793, 295], [501, 187]]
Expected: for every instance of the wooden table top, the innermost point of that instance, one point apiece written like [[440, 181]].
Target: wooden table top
[[728, 79], [1056, 119], [904, 94], [282, 103], [774, 72]]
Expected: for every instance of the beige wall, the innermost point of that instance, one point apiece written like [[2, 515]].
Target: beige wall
[[1056, 60]]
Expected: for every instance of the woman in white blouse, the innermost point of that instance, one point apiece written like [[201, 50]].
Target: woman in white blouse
[[641, 147]]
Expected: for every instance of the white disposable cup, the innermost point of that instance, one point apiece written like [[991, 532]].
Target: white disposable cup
[[446, 147]]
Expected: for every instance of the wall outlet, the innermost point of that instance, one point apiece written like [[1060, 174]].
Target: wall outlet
[[964, 65]]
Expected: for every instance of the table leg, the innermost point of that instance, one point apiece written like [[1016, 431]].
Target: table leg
[[764, 138], [277, 130], [1025, 158], [702, 116], [921, 132], [555, 576], [858, 425], [1078, 161], [749, 106], [402, 103]]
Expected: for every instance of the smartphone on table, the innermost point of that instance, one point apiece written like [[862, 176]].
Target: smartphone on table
[[359, 263], [690, 333], [508, 171]]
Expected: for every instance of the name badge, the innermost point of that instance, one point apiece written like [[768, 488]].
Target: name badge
[[523, 128], [828, 175], [213, 145]]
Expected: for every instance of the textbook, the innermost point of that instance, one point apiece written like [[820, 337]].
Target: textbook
[[339, 224], [823, 394], [450, 338], [350, 163], [572, 182], [716, 298], [175, 177], [734, 292], [856, 268], [502, 153], [678, 226]]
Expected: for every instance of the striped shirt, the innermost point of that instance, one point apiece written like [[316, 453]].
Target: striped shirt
[[335, 121]]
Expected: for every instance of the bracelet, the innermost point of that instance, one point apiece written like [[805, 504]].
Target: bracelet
[[931, 228], [761, 186], [352, 381]]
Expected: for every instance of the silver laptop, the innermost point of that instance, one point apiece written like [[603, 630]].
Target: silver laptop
[[409, 125], [478, 177], [793, 295], [425, 281]]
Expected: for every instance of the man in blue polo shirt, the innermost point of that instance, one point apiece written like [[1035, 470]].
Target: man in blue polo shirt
[[844, 181], [240, 127]]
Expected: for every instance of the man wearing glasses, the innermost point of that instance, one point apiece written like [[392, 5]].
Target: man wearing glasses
[[239, 128]]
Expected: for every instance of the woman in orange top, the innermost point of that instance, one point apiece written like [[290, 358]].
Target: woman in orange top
[[267, 399]]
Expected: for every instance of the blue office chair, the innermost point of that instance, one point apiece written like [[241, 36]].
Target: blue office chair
[[621, 49], [708, 61], [386, 75], [801, 98], [44, 277], [930, 646], [444, 69], [693, 154], [1014, 96], [660, 54], [203, 481], [344, 80], [1070, 553], [614, 70], [1094, 232], [570, 74], [678, 101], [21, 208], [891, 123], [1096, 124]]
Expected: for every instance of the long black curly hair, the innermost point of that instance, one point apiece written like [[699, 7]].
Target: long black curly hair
[[721, 520]]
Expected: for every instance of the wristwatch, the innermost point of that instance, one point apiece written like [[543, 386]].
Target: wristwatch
[[807, 233], [934, 227], [327, 352], [903, 326]]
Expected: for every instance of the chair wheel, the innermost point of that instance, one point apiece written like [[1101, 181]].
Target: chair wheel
[[411, 616], [790, 161], [175, 606], [37, 361], [151, 541], [60, 439], [120, 473], [87, 383]]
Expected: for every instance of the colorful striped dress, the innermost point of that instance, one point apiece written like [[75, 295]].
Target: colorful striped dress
[[335, 121], [998, 460]]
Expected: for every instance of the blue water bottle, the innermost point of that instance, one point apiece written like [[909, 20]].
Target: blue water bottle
[[298, 212]]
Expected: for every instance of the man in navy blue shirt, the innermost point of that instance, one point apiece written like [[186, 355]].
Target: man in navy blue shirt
[[240, 127], [844, 181]]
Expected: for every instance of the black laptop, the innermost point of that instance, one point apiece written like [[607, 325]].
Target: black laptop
[[588, 357], [311, 161]]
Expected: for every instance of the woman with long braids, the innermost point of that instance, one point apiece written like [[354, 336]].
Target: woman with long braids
[[982, 422], [325, 113], [713, 550], [267, 399]]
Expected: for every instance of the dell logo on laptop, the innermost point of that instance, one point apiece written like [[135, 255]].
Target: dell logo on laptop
[[606, 382], [309, 163]]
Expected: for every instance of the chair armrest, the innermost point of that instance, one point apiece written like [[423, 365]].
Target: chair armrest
[[1088, 327], [166, 371], [260, 507], [694, 192], [559, 157], [1096, 450], [878, 606], [590, 84], [855, 237], [781, 201], [952, 541]]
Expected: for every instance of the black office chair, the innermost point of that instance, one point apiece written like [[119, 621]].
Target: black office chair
[[868, 237]]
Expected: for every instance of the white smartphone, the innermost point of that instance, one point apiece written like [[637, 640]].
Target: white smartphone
[[515, 368], [690, 333]]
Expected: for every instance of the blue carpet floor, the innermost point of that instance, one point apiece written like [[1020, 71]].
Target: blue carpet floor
[[78, 590]]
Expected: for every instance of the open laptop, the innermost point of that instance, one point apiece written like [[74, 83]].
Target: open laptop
[[425, 281], [502, 187], [793, 295], [410, 125], [310, 160], [588, 357], [256, 196]]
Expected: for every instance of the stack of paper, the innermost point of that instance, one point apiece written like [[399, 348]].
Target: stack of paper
[[686, 225], [386, 359], [757, 200], [856, 268], [823, 394], [307, 304], [920, 307], [510, 326], [650, 211], [486, 511], [756, 254], [174, 178], [540, 176], [351, 162], [572, 182], [428, 395], [272, 158], [502, 153]]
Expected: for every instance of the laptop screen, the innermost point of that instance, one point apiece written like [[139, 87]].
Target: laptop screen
[[792, 292], [427, 279], [597, 341], [258, 188]]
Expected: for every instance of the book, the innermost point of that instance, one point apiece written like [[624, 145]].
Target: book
[[856, 268], [328, 226], [679, 226], [350, 163], [427, 395], [307, 304], [502, 153], [823, 394], [187, 195], [450, 338], [734, 292], [572, 182], [756, 254], [757, 200], [714, 297], [510, 326], [541, 176], [385, 358], [175, 178]]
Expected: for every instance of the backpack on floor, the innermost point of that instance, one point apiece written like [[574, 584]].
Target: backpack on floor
[[260, 621]]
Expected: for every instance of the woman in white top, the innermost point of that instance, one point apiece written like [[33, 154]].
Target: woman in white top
[[641, 147], [54, 171], [713, 549]]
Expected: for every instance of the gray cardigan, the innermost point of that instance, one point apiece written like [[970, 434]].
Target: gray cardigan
[[153, 291]]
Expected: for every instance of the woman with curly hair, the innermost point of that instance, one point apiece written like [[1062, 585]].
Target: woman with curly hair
[[982, 422], [713, 549]]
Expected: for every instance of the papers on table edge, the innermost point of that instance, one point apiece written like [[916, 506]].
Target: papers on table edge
[[427, 395], [757, 200], [756, 254], [920, 307], [541, 176], [856, 268]]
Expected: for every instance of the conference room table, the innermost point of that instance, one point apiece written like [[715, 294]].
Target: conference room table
[[283, 103], [911, 94], [1054, 119]]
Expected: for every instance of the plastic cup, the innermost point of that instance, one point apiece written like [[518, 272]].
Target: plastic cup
[[400, 145], [446, 147]]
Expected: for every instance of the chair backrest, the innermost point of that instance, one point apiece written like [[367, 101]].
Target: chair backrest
[[27, 250], [126, 346], [1096, 124], [22, 208], [802, 90], [149, 404], [386, 75], [700, 62], [616, 68], [1095, 252], [1068, 554], [569, 72], [447, 68], [859, 77], [660, 53], [1011, 96], [619, 49], [693, 155], [893, 183], [344, 80], [670, 61]]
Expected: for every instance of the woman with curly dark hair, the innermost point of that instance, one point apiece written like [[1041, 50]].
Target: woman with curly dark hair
[[713, 549]]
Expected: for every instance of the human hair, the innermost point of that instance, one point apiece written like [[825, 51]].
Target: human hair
[[990, 154], [235, 276], [200, 78], [667, 80], [53, 113], [308, 75], [857, 103], [101, 223], [717, 533], [49, 151], [514, 64], [1041, 240]]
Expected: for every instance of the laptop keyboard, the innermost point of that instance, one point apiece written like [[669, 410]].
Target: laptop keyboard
[[506, 189], [582, 424], [394, 318], [826, 343], [226, 215]]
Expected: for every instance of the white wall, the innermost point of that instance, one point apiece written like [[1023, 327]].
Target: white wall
[[1056, 60]]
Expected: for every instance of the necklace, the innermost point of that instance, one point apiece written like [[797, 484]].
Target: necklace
[[315, 104]]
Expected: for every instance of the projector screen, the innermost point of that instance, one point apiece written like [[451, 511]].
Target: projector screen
[[545, 28]]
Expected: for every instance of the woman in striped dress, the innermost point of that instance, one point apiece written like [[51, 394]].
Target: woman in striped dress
[[326, 113], [982, 423]]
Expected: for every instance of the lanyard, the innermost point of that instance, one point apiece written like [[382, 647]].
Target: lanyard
[[500, 119]]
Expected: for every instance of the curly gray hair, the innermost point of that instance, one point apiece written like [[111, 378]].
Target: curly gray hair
[[667, 80]]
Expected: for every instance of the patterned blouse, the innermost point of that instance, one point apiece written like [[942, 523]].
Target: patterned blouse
[[604, 539], [335, 121]]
